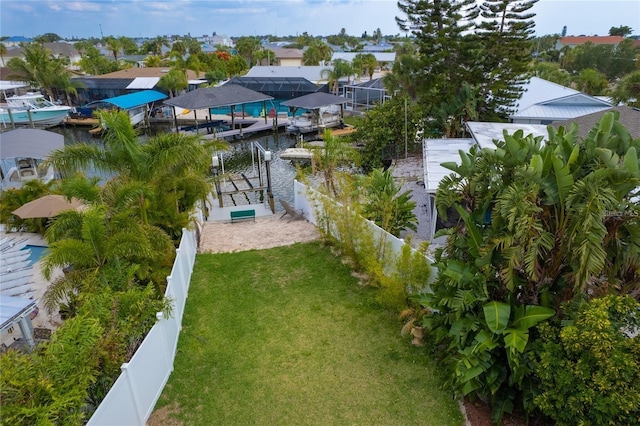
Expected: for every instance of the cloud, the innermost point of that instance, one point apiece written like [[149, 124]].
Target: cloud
[[78, 6]]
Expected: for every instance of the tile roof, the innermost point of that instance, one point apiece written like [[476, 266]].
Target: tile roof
[[592, 39], [134, 72], [282, 53]]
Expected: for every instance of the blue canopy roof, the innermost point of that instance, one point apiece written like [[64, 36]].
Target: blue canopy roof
[[134, 99]]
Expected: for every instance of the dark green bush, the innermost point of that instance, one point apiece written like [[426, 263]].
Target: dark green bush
[[590, 370]]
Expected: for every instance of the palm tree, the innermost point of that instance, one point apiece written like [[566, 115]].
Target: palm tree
[[39, 68], [3, 51], [152, 61], [114, 45], [385, 205], [628, 90], [158, 182], [312, 56], [174, 81], [365, 63], [341, 69], [335, 152], [91, 240]]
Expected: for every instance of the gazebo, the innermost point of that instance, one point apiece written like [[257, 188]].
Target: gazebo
[[211, 97]]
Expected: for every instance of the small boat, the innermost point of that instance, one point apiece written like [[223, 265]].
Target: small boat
[[316, 120], [32, 108], [138, 105], [22, 154]]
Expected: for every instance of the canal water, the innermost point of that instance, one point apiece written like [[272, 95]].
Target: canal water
[[239, 159]]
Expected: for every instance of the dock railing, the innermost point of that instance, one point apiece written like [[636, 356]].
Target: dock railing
[[136, 391]]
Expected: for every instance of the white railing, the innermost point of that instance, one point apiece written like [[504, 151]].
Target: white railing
[[304, 200], [136, 391]]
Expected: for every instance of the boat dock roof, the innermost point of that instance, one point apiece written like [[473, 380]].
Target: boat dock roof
[[133, 100]]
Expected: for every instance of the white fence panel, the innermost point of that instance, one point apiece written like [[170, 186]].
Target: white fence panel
[[119, 396], [304, 201], [149, 370], [131, 399]]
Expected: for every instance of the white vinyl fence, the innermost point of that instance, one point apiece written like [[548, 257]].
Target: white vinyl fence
[[304, 200], [134, 394]]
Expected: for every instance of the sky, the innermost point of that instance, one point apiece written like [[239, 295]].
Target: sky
[[149, 18]]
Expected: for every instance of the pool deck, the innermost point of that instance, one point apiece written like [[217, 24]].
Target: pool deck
[[40, 285]]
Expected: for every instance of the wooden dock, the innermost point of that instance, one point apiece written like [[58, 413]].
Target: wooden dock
[[258, 125], [347, 130], [89, 121]]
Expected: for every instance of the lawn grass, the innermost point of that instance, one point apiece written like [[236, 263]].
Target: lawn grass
[[287, 336]]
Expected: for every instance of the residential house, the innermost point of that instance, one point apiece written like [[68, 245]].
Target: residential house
[[573, 41], [286, 57], [383, 46], [125, 81], [544, 102], [629, 117], [15, 41], [311, 73], [60, 50], [384, 58]]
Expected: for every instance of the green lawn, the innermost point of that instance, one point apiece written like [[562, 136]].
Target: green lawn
[[286, 336]]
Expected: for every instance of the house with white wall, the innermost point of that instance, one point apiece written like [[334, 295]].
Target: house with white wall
[[544, 102]]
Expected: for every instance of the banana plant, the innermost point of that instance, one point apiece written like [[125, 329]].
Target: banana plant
[[479, 366]]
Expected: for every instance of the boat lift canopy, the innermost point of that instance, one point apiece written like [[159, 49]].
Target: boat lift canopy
[[31, 143], [315, 101], [133, 100], [211, 97]]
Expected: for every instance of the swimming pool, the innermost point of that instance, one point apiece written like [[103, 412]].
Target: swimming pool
[[36, 253]]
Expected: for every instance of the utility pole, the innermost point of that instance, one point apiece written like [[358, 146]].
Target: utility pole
[[101, 35]]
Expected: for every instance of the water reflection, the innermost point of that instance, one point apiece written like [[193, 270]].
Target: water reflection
[[239, 159]]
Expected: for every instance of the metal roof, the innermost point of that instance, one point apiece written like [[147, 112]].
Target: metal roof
[[133, 99], [8, 85], [315, 101], [349, 56], [88, 83], [143, 83], [538, 90], [29, 143], [12, 308], [211, 97], [485, 133], [557, 112], [438, 151], [311, 73]]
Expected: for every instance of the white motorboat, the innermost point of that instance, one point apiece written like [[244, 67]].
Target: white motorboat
[[22, 155], [316, 120], [32, 108]]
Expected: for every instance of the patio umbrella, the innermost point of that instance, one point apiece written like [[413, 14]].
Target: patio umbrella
[[47, 206]]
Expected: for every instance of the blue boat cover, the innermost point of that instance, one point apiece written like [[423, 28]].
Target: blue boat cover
[[134, 99]]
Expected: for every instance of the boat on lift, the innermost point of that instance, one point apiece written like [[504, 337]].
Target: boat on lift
[[32, 109], [316, 121], [22, 154]]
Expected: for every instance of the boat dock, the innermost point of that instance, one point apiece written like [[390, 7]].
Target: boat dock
[[257, 125]]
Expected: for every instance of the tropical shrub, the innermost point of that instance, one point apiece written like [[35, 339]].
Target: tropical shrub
[[385, 205], [385, 129], [51, 386], [14, 198], [590, 370], [539, 225]]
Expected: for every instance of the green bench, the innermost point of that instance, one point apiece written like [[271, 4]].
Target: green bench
[[243, 215]]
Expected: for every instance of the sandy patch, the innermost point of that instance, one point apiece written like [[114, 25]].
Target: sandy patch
[[265, 232]]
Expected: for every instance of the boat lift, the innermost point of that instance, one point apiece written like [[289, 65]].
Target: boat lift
[[259, 184]]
